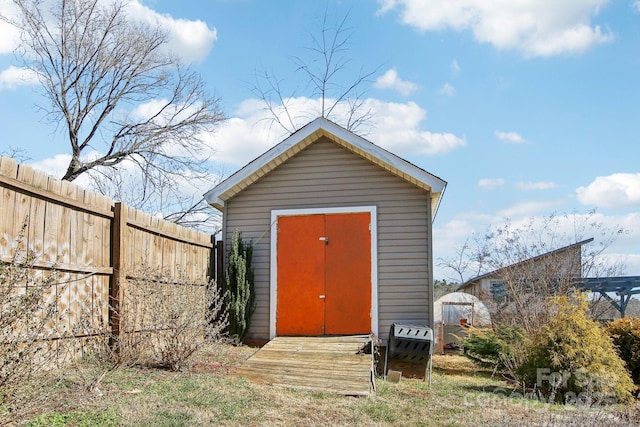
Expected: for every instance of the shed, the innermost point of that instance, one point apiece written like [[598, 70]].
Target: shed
[[341, 232]]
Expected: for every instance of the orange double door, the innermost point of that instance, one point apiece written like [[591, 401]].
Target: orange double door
[[324, 274]]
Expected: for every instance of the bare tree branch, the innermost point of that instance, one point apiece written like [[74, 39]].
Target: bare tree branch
[[523, 260], [117, 90], [343, 104], [463, 262]]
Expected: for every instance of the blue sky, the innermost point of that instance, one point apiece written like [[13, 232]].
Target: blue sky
[[524, 108]]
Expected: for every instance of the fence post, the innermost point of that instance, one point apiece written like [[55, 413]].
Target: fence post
[[220, 264], [118, 278], [213, 268]]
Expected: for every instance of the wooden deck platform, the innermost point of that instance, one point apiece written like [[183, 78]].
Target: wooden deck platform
[[342, 365]]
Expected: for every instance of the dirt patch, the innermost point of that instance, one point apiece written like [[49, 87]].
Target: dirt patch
[[457, 364], [212, 368]]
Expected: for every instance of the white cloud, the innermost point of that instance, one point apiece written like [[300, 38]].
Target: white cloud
[[251, 131], [450, 235], [163, 111], [617, 190], [540, 185], [636, 5], [489, 184], [13, 77], [630, 262], [391, 80], [578, 226], [10, 35], [148, 109], [511, 137], [240, 140], [561, 229], [56, 166], [447, 89], [630, 223], [534, 217], [398, 128], [534, 28], [191, 39], [447, 240], [164, 115]]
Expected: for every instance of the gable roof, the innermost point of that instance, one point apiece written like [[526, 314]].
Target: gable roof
[[304, 137], [526, 261]]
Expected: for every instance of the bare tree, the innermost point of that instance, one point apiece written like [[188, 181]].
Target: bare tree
[[466, 260], [20, 155], [174, 198], [343, 104], [526, 265], [117, 90]]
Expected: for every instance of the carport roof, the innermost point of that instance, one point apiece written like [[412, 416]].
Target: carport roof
[[304, 137]]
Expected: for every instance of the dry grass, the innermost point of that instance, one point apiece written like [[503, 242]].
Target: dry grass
[[208, 394]]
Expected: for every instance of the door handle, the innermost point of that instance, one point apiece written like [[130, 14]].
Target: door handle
[[325, 240], [323, 296]]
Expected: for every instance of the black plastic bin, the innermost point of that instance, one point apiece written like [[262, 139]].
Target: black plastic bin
[[411, 342]]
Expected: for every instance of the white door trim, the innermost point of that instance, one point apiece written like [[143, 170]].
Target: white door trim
[[273, 280]]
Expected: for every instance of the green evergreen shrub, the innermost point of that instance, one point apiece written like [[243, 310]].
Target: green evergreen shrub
[[573, 359], [625, 334], [240, 292], [499, 346]]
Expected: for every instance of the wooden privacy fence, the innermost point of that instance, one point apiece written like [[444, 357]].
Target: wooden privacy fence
[[93, 243]]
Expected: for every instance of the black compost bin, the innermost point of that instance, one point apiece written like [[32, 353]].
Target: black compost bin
[[411, 342]]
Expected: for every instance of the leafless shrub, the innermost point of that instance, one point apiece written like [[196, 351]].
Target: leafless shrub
[[29, 319], [165, 320], [89, 350]]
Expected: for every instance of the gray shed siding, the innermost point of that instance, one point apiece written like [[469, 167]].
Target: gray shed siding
[[328, 175]]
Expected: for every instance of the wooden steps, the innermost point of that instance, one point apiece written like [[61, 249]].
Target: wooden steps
[[328, 364]]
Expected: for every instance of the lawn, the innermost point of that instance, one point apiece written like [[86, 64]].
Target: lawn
[[461, 394]]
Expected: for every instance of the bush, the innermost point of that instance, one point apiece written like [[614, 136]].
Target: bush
[[29, 318], [573, 359], [240, 295], [625, 334], [165, 320], [500, 346]]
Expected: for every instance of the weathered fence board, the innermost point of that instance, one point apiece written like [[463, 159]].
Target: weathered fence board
[[93, 243]]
